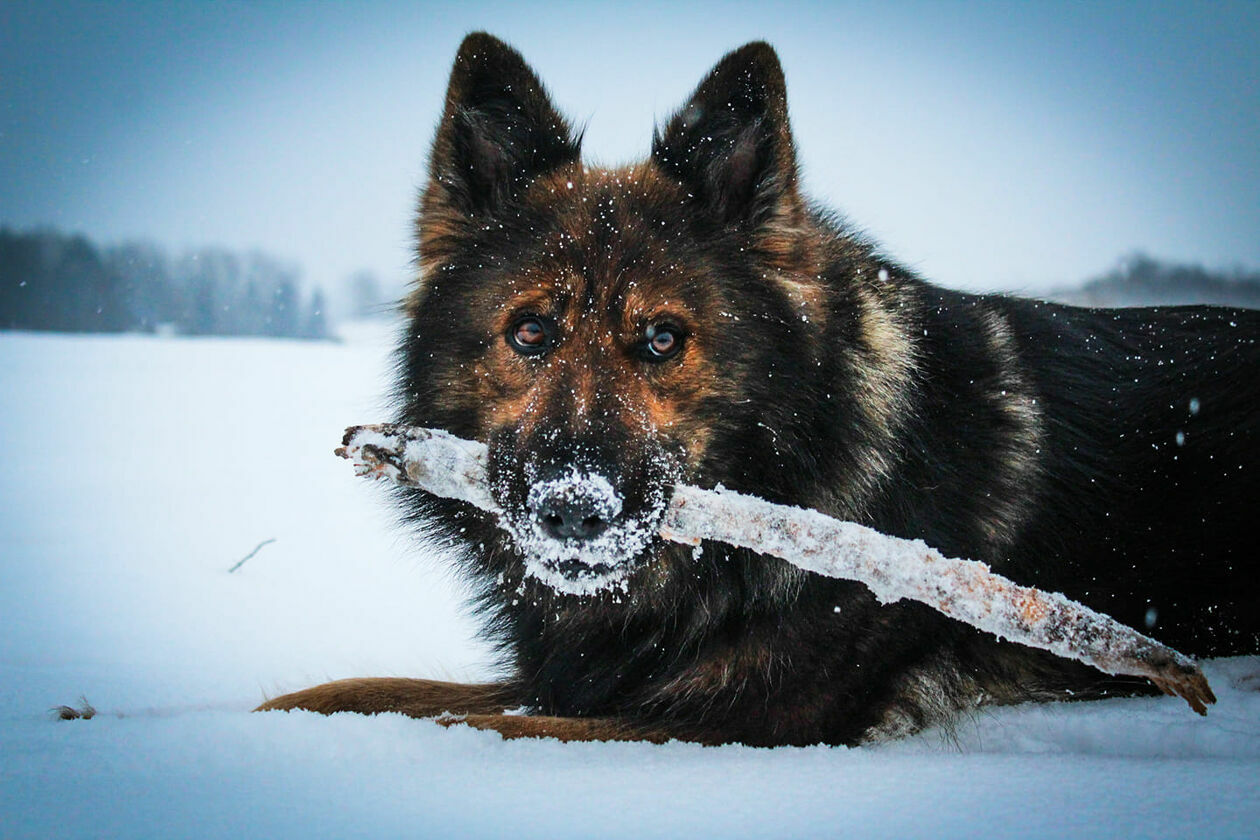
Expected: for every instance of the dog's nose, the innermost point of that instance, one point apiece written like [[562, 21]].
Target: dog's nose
[[574, 505], [563, 517]]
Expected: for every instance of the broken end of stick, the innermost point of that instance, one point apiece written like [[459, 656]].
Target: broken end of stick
[[1186, 681], [369, 460], [346, 450], [348, 436]]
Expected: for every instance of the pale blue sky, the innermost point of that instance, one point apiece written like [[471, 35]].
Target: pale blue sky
[[989, 145]]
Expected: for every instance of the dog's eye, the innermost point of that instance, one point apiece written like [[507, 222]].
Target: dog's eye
[[530, 335], [663, 342]]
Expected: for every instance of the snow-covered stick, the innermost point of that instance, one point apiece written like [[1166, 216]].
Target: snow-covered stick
[[891, 567], [895, 568]]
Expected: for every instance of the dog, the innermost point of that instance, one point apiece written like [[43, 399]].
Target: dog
[[610, 332]]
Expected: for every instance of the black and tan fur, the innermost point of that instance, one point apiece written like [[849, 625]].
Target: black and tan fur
[[1110, 454]]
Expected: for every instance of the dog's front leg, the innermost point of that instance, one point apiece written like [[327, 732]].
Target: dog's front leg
[[562, 728], [414, 698]]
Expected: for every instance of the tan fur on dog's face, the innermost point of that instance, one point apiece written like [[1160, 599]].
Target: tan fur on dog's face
[[603, 272]]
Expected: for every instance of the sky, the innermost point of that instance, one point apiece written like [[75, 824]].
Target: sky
[[1014, 146]]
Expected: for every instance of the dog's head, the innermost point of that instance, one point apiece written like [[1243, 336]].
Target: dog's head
[[609, 332]]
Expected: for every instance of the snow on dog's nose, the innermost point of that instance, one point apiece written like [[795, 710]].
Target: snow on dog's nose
[[576, 506], [574, 536]]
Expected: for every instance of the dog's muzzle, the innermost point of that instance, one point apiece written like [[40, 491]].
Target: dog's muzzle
[[575, 535], [577, 506]]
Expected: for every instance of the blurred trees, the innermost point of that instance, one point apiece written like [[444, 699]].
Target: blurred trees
[[1140, 280], [55, 281]]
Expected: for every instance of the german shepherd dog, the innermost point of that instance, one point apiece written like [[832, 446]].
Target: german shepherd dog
[[693, 318]]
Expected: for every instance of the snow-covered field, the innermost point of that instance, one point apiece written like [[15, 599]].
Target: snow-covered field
[[138, 470]]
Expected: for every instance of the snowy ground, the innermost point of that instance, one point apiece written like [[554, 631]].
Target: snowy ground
[[138, 470]]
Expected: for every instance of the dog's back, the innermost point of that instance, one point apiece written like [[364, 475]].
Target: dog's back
[[1151, 472]]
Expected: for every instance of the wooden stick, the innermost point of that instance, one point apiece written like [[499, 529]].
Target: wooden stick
[[891, 567]]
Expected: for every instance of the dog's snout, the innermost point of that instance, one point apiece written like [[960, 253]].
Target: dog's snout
[[574, 506], [565, 518]]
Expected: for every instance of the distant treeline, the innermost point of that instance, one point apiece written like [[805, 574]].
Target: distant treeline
[[1140, 280], [54, 281]]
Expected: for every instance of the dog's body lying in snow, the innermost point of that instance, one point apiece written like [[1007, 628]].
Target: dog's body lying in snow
[[693, 318]]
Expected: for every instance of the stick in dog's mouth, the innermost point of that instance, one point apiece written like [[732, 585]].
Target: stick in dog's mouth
[[893, 568]]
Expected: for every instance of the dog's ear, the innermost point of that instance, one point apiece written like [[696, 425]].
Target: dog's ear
[[499, 129], [731, 144]]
